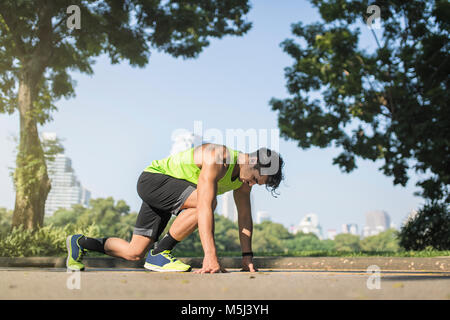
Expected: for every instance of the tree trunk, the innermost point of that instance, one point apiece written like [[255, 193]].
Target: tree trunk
[[31, 180], [30, 177]]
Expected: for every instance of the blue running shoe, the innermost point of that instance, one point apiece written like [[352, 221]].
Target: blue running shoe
[[165, 262], [75, 253]]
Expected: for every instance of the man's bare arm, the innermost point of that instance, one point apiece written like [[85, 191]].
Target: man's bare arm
[[245, 221], [206, 193], [211, 172]]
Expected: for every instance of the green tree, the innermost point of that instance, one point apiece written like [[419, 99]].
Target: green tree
[[308, 242], [328, 245], [269, 236], [384, 241], [62, 216], [274, 229], [388, 104], [38, 49], [5, 220], [429, 228], [347, 242], [226, 234], [304, 242], [111, 218], [108, 216]]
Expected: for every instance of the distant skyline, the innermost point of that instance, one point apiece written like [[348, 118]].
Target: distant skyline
[[122, 118]]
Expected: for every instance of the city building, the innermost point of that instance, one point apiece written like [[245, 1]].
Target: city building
[[376, 222], [310, 224], [262, 216], [228, 206], [411, 216], [66, 190], [229, 209], [331, 234], [351, 228], [292, 229]]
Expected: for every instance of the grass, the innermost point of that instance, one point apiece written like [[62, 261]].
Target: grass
[[418, 254], [400, 254]]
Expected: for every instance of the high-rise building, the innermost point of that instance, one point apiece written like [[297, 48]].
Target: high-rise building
[[331, 234], [411, 216], [229, 209], [66, 190], [351, 228], [376, 222], [228, 206], [293, 229], [262, 216], [310, 224]]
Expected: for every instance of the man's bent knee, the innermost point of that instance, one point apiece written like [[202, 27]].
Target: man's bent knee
[[135, 255]]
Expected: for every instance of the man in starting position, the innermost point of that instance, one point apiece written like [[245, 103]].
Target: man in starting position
[[186, 184]]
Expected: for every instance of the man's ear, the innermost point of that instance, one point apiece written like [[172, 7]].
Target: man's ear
[[252, 160]]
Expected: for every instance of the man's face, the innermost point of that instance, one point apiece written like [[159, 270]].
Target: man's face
[[251, 176]]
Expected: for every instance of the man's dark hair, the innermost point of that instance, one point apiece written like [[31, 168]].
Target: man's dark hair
[[271, 164]]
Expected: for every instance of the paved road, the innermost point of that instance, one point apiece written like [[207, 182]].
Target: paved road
[[54, 283]]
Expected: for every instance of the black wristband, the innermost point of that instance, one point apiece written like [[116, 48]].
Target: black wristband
[[245, 254]]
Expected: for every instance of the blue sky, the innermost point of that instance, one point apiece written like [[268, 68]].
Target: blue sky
[[122, 118]]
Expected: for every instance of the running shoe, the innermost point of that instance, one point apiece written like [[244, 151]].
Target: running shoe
[[165, 262], [75, 253]]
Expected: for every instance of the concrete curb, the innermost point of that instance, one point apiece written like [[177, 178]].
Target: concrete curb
[[440, 264]]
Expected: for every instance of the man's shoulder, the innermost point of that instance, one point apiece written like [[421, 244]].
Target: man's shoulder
[[215, 158], [211, 153]]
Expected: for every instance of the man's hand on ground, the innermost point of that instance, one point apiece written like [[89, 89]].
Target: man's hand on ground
[[210, 265], [247, 264]]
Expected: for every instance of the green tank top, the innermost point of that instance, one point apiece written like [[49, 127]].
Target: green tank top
[[182, 166]]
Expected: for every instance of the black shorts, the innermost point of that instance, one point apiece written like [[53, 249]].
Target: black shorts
[[162, 196]]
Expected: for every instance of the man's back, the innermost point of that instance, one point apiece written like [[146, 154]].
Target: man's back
[[186, 165]]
